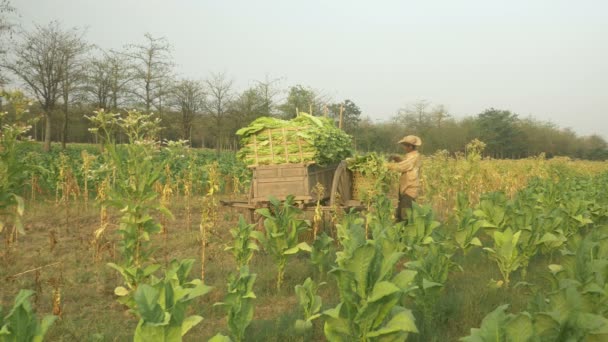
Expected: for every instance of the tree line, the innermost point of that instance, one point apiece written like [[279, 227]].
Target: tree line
[[69, 78]]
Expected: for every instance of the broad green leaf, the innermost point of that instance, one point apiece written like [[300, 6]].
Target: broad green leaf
[[519, 328], [220, 338], [121, 291], [555, 268], [492, 327], [302, 326], [146, 298], [359, 264], [403, 321], [381, 290], [476, 242], [46, 323], [426, 284], [404, 279], [190, 322]]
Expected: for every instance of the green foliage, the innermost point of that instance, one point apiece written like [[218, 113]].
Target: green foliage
[[380, 219], [491, 210], [499, 130], [369, 296], [505, 253], [500, 326], [467, 225], [421, 228], [310, 303], [14, 170], [282, 229], [243, 246], [351, 115], [134, 173], [239, 303], [21, 323], [300, 98], [132, 276], [304, 139], [322, 253], [372, 166], [351, 235], [432, 264], [163, 305]]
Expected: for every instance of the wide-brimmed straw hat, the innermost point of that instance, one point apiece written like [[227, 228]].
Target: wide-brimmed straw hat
[[411, 140]]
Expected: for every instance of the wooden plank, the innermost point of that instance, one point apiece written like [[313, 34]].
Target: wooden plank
[[290, 179]]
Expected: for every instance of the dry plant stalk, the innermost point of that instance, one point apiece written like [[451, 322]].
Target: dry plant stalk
[[37, 286], [188, 196], [52, 240], [336, 216], [319, 191], [57, 301], [209, 214], [69, 187], [35, 187], [165, 200], [102, 196], [206, 224]]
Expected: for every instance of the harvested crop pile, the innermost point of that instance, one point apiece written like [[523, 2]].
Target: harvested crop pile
[[370, 175], [305, 139]]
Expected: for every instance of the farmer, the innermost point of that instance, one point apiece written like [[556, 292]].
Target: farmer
[[409, 167]]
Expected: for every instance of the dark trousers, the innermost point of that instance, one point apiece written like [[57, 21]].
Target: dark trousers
[[405, 202]]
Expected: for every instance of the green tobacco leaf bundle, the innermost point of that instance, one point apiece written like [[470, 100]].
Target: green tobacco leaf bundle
[[305, 139]]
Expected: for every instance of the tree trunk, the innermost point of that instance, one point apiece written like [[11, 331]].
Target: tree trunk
[[64, 137], [47, 132]]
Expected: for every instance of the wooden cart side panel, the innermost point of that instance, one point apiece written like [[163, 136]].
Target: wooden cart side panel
[[290, 179], [279, 187]]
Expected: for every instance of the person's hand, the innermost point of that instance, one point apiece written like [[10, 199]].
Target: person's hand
[[394, 158]]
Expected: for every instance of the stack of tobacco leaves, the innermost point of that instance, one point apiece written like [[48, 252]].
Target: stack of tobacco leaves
[[371, 175], [305, 139]]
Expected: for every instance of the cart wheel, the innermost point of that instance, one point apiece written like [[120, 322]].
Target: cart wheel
[[341, 187]]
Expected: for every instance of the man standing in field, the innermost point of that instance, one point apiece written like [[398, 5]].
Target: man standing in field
[[409, 167]]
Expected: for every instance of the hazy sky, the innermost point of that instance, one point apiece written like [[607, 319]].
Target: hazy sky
[[545, 58]]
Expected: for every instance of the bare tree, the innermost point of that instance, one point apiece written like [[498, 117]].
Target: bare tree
[[152, 66], [107, 80], [439, 114], [38, 60], [415, 116], [219, 95], [268, 91], [6, 30], [98, 82], [74, 48], [188, 98]]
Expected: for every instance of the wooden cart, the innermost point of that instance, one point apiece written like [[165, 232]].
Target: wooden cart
[[299, 180]]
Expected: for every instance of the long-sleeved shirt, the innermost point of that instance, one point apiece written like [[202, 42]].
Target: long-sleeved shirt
[[409, 167]]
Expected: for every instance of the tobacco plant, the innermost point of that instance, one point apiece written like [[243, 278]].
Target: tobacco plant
[[239, 303], [432, 264], [21, 323], [506, 254], [370, 294], [280, 237], [370, 291], [163, 305], [310, 303], [243, 245], [13, 170], [134, 172], [322, 253]]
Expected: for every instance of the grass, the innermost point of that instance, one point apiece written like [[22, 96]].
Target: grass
[[91, 313]]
